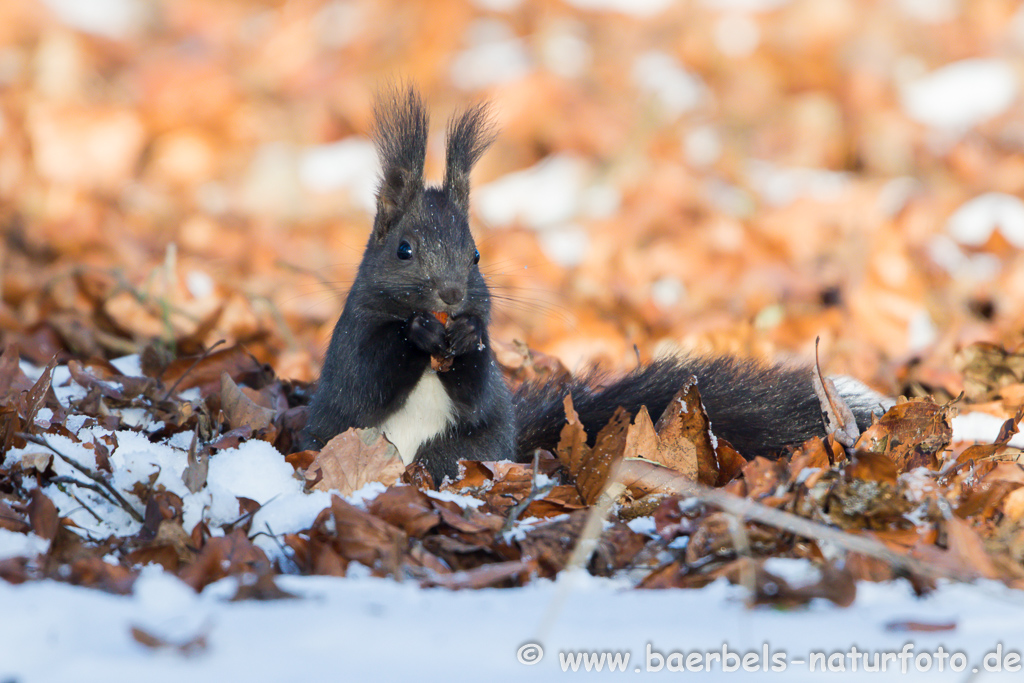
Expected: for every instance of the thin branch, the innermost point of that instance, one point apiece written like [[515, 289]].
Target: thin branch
[[41, 441], [535, 493], [192, 367], [801, 526]]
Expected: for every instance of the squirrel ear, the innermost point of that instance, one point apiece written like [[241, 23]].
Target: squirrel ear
[[469, 134], [400, 135]]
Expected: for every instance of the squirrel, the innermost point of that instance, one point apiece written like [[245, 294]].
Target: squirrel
[[410, 353]]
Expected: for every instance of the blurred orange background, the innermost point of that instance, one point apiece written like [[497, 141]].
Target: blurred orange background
[[728, 175]]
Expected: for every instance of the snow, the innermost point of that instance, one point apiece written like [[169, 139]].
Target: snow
[[746, 5], [736, 35], [780, 186], [13, 544], [930, 11], [974, 222], [702, 146], [372, 629], [341, 165], [496, 55], [662, 76], [638, 8], [108, 18], [981, 428], [961, 95]]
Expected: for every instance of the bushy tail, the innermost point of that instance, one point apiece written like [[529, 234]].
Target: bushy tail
[[760, 409]]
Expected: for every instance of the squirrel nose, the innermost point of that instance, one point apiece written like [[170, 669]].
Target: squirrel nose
[[451, 295]]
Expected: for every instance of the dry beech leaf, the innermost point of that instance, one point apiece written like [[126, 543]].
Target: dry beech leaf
[[198, 466], [572, 447], [205, 372], [189, 647], [904, 626], [492, 575], [353, 459], [684, 436], [239, 409], [42, 515], [911, 434], [366, 538], [596, 469], [965, 551]]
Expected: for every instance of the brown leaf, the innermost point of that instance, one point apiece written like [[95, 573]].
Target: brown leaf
[[260, 587], [572, 447], [903, 626], [870, 466], [228, 555], [494, 575], [11, 520], [684, 434], [353, 459], [911, 434], [366, 538], [12, 380], [239, 409], [597, 466], [407, 508], [206, 371], [192, 646], [195, 473], [42, 515]]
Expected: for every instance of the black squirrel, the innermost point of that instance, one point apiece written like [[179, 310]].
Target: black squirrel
[[410, 353]]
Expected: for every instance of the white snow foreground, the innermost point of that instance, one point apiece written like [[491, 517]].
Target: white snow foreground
[[362, 629], [359, 627]]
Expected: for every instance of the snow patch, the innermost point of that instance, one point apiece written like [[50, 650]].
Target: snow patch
[[496, 55], [961, 95], [746, 5], [542, 196], [736, 35], [14, 544], [974, 222], [639, 8], [348, 164], [663, 77], [781, 186], [108, 18], [981, 428]]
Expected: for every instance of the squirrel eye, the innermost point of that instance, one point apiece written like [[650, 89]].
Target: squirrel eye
[[476, 256], [405, 251]]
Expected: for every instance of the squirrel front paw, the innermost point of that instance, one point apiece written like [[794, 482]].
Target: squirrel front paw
[[427, 333], [465, 335]]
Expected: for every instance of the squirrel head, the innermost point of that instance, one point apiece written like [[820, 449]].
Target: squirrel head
[[421, 254]]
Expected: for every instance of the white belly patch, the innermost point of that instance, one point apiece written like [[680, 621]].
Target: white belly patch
[[427, 412]]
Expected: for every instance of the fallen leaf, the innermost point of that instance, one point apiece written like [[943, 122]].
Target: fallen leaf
[[353, 459]]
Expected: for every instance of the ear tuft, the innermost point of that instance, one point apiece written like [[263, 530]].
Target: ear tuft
[[469, 135], [400, 135]]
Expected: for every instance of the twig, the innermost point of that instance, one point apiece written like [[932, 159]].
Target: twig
[[87, 508], [41, 441], [806, 528], [192, 367], [535, 493]]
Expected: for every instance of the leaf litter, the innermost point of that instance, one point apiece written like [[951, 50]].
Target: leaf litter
[[900, 503]]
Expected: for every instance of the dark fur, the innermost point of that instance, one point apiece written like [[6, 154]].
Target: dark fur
[[386, 334]]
